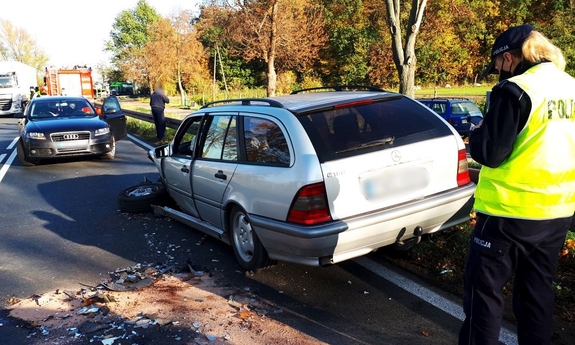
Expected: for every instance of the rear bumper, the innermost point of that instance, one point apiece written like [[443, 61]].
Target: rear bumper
[[348, 238], [43, 149]]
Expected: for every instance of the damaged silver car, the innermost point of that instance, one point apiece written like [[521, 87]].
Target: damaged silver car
[[315, 177]]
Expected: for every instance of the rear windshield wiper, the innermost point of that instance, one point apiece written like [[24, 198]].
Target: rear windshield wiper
[[384, 141]]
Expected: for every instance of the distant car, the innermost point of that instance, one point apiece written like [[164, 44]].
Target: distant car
[[313, 178], [69, 126], [462, 114]]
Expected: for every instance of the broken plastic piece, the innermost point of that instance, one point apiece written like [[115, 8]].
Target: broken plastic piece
[[129, 286], [88, 310]]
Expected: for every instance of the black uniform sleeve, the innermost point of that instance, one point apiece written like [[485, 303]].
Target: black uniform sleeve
[[166, 99], [508, 112]]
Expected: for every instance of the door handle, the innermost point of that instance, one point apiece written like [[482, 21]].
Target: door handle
[[185, 169], [220, 174]]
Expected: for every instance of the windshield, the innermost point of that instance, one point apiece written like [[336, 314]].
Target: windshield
[[7, 81], [61, 108]]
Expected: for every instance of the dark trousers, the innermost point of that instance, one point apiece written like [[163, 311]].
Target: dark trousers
[[160, 122], [500, 248]]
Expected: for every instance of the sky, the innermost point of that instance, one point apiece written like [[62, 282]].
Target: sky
[[73, 32]]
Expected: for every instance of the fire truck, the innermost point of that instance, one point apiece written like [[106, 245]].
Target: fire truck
[[76, 81]]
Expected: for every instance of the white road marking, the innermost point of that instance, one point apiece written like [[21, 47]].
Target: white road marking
[[7, 165], [2, 157], [12, 143], [133, 138], [505, 336]]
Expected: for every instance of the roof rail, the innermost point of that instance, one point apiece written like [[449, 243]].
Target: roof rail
[[341, 88], [245, 101]]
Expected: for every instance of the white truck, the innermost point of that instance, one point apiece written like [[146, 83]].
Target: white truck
[[16, 79]]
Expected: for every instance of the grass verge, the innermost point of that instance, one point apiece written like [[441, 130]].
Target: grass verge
[[147, 131]]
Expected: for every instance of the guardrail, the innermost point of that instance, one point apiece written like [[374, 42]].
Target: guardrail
[[170, 122]]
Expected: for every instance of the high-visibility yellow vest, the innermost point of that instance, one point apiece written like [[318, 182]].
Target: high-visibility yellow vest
[[537, 181]]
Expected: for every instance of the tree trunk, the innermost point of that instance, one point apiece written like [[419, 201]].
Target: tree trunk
[[404, 57], [182, 91], [272, 76], [407, 77]]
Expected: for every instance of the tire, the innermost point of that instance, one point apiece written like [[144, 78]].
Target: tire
[[112, 154], [22, 158], [140, 198], [249, 251]]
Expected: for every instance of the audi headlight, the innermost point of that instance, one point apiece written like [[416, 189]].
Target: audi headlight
[[102, 131], [36, 135]]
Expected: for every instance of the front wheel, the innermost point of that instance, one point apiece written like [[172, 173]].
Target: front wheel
[[140, 198], [248, 249], [22, 157], [112, 154]]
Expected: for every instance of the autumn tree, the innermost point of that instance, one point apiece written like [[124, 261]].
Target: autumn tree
[[129, 35], [351, 29], [173, 52], [287, 35], [17, 44]]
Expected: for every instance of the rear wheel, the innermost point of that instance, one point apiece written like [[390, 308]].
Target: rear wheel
[[140, 198], [248, 249], [22, 157]]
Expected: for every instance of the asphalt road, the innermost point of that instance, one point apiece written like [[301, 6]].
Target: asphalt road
[[60, 227]]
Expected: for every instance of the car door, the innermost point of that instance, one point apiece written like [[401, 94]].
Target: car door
[[215, 166], [112, 113], [177, 167]]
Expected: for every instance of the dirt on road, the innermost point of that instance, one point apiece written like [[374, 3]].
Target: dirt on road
[[176, 308]]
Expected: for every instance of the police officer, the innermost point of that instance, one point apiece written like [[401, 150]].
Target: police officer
[[525, 196]]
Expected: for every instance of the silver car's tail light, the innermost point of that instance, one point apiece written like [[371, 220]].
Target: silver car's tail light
[[462, 172], [310, 206]]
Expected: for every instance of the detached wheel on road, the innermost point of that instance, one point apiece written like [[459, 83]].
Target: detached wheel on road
[[22, 157], [248, 249], [140, 198]]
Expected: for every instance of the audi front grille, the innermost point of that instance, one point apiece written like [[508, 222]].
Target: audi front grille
[[70, 136]]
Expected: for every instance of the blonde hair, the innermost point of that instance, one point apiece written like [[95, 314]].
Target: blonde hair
[[537, 48]]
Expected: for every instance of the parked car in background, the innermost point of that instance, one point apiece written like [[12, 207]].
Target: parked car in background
[[314, 178], [462, 114], [57, 126]]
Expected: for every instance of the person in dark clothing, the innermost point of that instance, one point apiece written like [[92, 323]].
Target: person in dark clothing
[[158, 102], [525, 197]]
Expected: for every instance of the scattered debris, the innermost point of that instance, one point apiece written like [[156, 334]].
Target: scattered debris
[[87, 310]]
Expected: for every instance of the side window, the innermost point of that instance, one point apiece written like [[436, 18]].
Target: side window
[[439, 108], [265, 142], [457, 109], [186, 139], [111, 104], [220, 140], [230, 143]]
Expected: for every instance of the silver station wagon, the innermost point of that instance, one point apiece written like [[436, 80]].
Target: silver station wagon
[[315, 177]]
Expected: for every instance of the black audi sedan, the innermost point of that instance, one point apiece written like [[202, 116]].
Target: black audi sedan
[[69, 126]]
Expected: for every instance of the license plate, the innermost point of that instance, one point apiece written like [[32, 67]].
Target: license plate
[[395, 183]]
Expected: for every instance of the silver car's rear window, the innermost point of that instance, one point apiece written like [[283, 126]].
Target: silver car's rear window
[[344, 132]]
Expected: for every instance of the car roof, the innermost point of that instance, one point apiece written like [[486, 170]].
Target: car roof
[[305, 102]]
